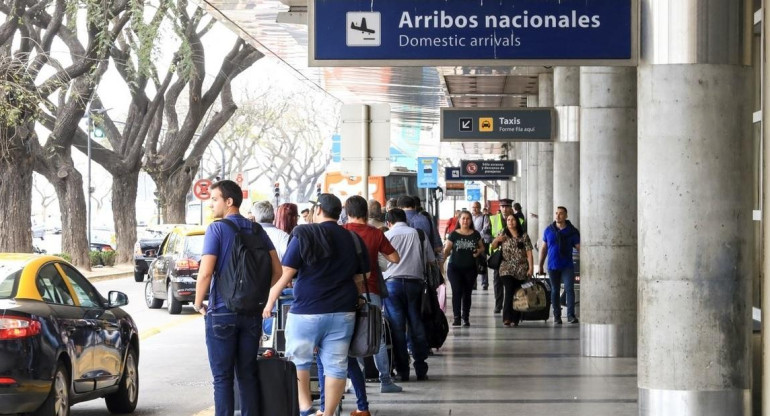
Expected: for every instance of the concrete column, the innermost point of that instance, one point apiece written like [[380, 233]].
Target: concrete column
[[608, 262], [694, 207], [566, 150], [532, 152], [545, 162]]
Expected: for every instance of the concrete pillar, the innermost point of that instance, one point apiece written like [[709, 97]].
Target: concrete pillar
[[694, 207], [608, 249], [545, 162], [566, 149], [532, 152], [761, 381]]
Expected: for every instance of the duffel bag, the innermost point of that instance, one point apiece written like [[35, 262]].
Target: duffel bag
[[531, 297]]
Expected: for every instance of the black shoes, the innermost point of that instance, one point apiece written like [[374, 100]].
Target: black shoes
[[573, 320], [557, 321], [423, 377], [498, 310], [456, 322], [466, 322]]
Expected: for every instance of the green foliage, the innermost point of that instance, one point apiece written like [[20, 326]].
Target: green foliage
[[95, 257], [19, 101], [108, 257], [65, 256]]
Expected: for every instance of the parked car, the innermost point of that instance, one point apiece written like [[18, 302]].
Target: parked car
[[61, 342], [172, 274], [38, 231], [146, 248], [95, 246]]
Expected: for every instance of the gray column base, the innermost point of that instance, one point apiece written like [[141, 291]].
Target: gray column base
[[608, 340], [655, 402]]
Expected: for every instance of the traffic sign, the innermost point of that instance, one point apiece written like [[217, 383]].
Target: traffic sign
[[488, 169], [201, 189], [452, 174]]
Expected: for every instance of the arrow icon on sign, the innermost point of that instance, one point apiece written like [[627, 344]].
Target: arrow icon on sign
[[466, 124]]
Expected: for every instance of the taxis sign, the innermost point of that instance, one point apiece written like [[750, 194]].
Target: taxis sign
[[497, 124]]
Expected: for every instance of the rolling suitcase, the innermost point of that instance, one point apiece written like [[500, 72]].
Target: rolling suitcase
[[277, 386], [542, 314]]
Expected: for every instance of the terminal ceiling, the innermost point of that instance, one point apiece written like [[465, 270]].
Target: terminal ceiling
[[415, 94]]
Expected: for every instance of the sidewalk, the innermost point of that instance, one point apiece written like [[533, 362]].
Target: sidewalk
[[117, 271]]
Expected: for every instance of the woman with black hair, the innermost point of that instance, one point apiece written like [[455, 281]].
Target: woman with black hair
[[464, 244], [515, 267]]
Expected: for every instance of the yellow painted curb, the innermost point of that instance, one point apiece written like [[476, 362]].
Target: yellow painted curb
[[158, 329], [207, 412]]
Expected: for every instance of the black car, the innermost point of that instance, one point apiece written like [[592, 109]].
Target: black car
[[146, 249], [173, 273], [61, 342]]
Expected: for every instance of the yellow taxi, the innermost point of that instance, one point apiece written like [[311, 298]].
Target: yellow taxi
[[61, 341]]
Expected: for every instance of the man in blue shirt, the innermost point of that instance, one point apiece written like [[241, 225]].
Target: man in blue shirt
[[232, 338], [329, 280], [419, 222], [558, 240]]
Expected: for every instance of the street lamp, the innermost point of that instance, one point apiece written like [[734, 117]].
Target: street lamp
[[89, 115]]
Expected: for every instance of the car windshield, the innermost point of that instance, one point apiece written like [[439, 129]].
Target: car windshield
[[9, 274], [194, 246]]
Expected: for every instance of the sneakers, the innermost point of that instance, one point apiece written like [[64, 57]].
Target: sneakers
[[507, 323], [456, 322], [309, 412], [423, 377], [557, 321], [391, 388], [360, 413], [466, 322], [573, 320], [498, 310]]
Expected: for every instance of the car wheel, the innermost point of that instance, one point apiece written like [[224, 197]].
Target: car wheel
[[174, 306], [58, 401], [138, 276], [124, 400], [150, 299]]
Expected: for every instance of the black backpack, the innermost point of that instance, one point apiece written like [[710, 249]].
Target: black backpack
[[244, 284]]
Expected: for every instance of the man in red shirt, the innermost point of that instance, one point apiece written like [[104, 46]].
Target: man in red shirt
[[376, 242]]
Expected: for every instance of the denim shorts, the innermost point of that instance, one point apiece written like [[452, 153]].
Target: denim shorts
[[330, 332]]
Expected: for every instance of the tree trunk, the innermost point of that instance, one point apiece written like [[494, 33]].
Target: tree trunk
[[172, 192], [124, 190], [74, 237], [16, 203]]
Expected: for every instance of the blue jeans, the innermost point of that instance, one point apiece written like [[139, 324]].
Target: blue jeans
[[356, 377], [232, 341], [402, 310], [557, 277]]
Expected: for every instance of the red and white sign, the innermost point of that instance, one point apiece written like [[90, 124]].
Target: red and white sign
[[472, 168], [239, 179], [201, 189]]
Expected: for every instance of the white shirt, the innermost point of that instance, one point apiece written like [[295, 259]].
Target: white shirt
[[279, 238]]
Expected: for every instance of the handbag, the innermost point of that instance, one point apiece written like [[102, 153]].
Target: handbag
[[495, 260], [367, 332]]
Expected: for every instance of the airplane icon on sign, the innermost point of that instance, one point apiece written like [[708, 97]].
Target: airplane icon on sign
[[362, 27]]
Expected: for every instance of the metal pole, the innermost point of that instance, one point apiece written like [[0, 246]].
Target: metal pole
[[764, 370], [365, 151], [88, 192]]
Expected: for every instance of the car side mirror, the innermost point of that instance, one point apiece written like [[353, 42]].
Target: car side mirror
[[117, 299]]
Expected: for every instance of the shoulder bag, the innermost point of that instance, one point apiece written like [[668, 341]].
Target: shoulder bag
[[367, 332]]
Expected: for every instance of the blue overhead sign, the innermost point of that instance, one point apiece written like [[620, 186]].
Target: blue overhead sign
[[427, 172], [426, 32]]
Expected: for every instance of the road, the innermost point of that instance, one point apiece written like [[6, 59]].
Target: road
[[174, 374]]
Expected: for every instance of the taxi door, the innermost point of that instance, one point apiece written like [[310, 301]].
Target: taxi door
[[109, 347], [78, 332]]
